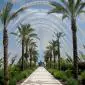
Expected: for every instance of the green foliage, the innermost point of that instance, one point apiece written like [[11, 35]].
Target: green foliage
[[1, 77], [83, 75], [12, 81], [51, 71], [16, 76], [68, 73], [72, 81], [60, 75], [66, 66]]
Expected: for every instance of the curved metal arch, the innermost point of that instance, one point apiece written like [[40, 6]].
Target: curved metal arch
[[64, 44], [47, 26], [50, 20], [45, 20], [43, 23], [48, 30], [38, 2], [31, 18], [54, 24]]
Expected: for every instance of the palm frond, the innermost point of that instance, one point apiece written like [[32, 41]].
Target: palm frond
[[58, 8], [65, 16], [6, 12], [13, 33], [81, 8], [15, 14]]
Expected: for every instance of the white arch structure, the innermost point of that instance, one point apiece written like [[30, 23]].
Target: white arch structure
[[39, 19]]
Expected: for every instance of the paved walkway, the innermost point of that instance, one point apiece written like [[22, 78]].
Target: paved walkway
[[41, 77]]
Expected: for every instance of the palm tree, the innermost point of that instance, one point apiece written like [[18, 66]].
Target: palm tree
[[29, 40], [54, 50], [58, 36], [32, 47], [71, 9], [35, 56], [25, 32], [49, 53], [46, 57], [6, 16]]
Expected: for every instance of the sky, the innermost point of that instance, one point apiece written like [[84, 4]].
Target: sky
[[45, 25]]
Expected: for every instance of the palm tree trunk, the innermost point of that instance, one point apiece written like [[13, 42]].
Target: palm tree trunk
[[75, 54], [54, 59], [30, 60], [59, 56], [26, 50], [5, 49], [22, 66], [50, 61]]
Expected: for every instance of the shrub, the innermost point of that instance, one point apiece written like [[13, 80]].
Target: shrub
[[60, 75], [68, 73], [72, 81], [66, 66], [12, 81], [83, 77], [1, 77], [51, 71]]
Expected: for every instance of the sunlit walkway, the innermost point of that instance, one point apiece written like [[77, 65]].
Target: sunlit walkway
[[41, 77]]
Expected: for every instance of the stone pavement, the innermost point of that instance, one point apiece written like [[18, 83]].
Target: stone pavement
[[41, 77]]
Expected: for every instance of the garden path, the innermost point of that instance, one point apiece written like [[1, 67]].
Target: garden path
[[41, 77]]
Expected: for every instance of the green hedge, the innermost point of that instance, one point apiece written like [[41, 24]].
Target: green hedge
[[72, 81], [65, 76], [15, 75]]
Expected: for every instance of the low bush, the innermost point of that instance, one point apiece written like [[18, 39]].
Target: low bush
[[12, 81], [65, 66], [1, 77], [51, 71], [72, 81], [60, 75], [16, 76], [68, 73], [83, 77]]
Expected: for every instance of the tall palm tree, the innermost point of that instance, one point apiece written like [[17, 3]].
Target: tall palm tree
[[32, 47], [58, 36], [54, 50], [49, 53], [46, 57], [70, 9], [29, 40], [35, 56], [24, 31], [6, 16]]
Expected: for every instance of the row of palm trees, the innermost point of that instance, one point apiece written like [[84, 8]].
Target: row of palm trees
[[25, 31], [70, 9], [26, 35], [53, 50]]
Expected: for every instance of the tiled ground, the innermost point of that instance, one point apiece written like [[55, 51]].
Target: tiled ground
[[41, 77]]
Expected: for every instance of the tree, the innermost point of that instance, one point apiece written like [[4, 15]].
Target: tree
[[49, 54], [6, 16], [29, 40], [25, 32], [71, 9], [46, 58], [35, 56], [32, 47], [54, 50], [58, 36]]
